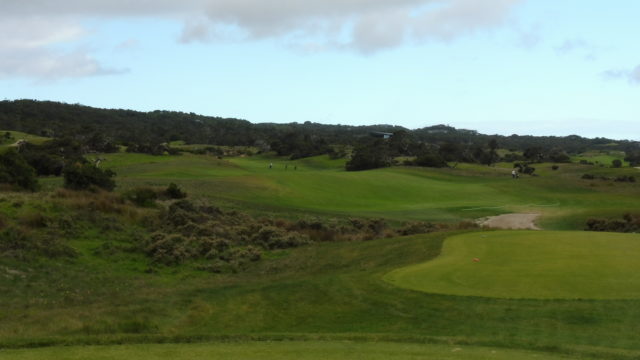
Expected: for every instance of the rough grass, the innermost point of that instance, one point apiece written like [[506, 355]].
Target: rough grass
[[526, 264], [307, 350]]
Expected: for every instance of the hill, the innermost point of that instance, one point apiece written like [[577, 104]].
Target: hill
[[53, 119]]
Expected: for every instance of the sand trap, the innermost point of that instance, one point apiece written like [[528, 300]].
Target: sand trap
[[511, 221]]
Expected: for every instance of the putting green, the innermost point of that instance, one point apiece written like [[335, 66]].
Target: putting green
[[530, 264]]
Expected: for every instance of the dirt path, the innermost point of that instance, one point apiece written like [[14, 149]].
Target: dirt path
[[511, 221]]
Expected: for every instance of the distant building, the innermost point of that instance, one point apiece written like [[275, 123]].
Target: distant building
[[379, 134]]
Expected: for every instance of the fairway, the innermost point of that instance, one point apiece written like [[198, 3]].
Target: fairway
[[529, 264], [308, 350], [321, 186]]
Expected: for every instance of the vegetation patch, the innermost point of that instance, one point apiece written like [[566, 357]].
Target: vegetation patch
[[277, 350]]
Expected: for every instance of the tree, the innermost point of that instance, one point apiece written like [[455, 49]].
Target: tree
[[14, 170], [533, 154], [616, 163], [633, 158], [431, 159], [370, 156], [492, 156], [81, 176], [558, 155]]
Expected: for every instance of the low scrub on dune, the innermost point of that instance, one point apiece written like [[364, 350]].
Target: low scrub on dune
[[629, 223], [171, 230]]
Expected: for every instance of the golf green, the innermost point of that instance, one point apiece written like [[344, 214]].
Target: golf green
[[530, 264]]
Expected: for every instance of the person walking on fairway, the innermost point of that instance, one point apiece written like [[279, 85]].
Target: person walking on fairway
[[270, 165], [514, 174]]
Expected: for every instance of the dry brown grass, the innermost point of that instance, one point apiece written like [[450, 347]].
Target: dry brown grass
[[98, 201]]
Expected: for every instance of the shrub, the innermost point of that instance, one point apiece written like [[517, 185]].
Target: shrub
[[370, 156], [174, 192], [625, 178], [616, 163], [555, 167], [628, 223], [14, 170], [431, 159], [588, 176], [84, 176], [419, 227], [144, 197]]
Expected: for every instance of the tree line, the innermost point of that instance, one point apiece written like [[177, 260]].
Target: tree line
[[126, 127]]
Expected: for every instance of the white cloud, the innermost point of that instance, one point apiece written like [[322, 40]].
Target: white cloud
[[373, 23], [45, 64], [579, 46], [28, 48], [632, 76], [364, 26]]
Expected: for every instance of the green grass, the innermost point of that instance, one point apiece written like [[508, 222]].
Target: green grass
[[17, 135], [328, 288], [531, 264], [332, 289], [307, 350], [321, 186], [602, 157]]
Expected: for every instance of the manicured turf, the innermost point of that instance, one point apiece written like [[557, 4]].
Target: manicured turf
[[530, 264], [321, 186], [308, 350]]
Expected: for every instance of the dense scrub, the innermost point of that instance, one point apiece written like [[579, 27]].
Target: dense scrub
[[169, 229], [629, 223]]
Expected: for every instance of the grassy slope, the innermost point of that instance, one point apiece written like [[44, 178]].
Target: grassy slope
[[332, 288], [309, 350], [526, 264], [17, 135], [603, 157], [321, 186]]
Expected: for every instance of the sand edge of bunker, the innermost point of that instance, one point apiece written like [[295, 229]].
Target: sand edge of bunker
[[518, 221]]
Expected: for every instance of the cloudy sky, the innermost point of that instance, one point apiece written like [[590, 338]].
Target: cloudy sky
[[542, 67]]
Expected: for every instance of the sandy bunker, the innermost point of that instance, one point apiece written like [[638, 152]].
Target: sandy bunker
[[511, 221]]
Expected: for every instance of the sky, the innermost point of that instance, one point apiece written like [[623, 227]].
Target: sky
[[528, 67]]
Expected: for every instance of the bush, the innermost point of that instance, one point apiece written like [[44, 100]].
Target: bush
[[145, 197], [431, 159], [629, 223], [83, 176], [616, 163], [370, 156], [555, 167], [418, 227], [174, 192], [588, 177], [14, 170], [625, 178]]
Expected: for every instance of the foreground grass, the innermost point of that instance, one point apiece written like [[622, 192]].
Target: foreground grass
[[328, 288], [531, 264], [307, 350]]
